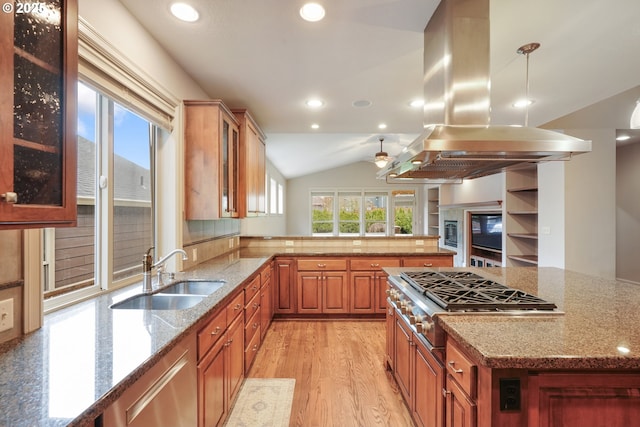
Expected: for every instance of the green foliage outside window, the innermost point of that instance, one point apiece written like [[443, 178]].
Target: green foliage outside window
[[322, 221], [404, 220]]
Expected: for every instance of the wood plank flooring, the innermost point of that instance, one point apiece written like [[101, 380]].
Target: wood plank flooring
[[340, 374]]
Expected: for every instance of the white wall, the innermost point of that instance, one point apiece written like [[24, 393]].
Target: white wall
[[628, 212], [361, 175], [268, 225], [486, 189], [590, 205], [551, 215]]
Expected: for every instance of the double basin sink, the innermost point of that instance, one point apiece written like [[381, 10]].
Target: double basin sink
[[177, 296]]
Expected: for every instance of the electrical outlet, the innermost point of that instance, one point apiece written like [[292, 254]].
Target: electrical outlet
[[6, 314], [288, 242], [194, 254], [420, 242], [357, 242]]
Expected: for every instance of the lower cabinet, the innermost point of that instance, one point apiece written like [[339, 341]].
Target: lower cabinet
[[164, 396], [220, 364], [390, 335], [322, 286], [284, 300], [460, 409], [369, 284]]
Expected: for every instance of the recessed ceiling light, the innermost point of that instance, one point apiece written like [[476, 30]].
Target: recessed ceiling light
[[361, 103], [315, 126], [312, 12], [382, 126], [521, 103], [314, 103], [184, 12], [417, 103]]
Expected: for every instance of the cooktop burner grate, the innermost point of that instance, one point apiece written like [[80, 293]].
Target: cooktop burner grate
[[465, 291]]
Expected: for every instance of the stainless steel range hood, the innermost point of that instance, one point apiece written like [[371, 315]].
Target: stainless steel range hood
[[462, 144]]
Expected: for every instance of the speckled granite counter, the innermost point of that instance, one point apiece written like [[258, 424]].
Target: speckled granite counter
[[601, 319], [86, 355]]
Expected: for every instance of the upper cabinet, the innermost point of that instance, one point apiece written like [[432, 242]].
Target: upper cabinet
[[252, 191], [38, 86], [212, 148]]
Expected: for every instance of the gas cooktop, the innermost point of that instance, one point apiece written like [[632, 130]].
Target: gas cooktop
[[466, 291]]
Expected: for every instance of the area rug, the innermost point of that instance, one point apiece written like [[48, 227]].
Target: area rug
[[263, 402]]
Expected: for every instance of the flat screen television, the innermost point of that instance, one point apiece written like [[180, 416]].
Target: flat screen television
[[486, 230]]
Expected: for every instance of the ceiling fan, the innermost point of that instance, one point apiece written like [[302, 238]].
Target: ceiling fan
[[382, 157]]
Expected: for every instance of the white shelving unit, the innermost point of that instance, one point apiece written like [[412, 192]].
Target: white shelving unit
[[433, 211]]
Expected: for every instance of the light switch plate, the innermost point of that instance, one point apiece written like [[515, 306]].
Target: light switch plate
[[6, 314]]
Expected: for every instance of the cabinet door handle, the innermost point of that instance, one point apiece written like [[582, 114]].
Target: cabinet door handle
[[457, 371], [9, 197], [445, 392], [255, 305], [427, 264], [216, 331], [322, 265], [237, 307], [255, 326], [375, 265]]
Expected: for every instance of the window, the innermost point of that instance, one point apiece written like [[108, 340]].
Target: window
[[349, 213], [115, 200], [404, 203], [322, 215], [275, 191], [357, 213]]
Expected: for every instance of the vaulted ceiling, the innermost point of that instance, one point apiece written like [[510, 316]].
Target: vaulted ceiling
[[259, 54]]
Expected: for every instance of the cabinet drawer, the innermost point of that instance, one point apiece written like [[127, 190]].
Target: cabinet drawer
[[235, 307], [265, 274], [251, 350], [461, 369], [322, 264], [373, 263], [252, 307], [211, 333], [434, 261], [251, 327], [251, 289]]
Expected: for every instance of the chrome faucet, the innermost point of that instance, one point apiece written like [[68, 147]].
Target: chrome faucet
[[148, 265]]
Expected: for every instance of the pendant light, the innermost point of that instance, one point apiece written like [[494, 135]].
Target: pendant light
[[382, 158], [526, 50]]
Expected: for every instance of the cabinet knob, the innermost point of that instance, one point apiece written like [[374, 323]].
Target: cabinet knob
[[9, 197]]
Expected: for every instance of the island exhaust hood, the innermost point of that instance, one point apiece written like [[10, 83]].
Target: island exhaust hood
[[462, 144]]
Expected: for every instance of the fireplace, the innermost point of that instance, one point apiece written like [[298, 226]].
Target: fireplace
[[451, 233]]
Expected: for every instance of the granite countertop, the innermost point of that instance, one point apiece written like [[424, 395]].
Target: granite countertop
[[601, 319], [86, 355]]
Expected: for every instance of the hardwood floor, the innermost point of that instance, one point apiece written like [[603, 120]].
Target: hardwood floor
[[340, 374]]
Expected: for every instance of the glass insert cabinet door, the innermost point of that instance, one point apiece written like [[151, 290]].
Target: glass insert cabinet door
[[38, 85]]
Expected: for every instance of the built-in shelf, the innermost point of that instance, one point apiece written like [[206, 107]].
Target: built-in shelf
[[522, 212], [529, 259], [433, 210], [434, 226], [521, 189], [524, 235], [472, 205], [521, 224]]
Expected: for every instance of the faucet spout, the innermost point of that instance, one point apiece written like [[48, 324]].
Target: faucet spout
[[148, 265]]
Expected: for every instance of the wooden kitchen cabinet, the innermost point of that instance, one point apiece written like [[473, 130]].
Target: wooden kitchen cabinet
[[390, 335], [252, 164], [221, 363], [460, 409], [38, 98], [369, 284], [165, 395], [403, 357], [322, 286], [461, 389], [252, 322], [428, 403], [285, 286], [266, 300], [211, 160]]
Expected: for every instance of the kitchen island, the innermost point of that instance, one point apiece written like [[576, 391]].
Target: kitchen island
[[577, 366]]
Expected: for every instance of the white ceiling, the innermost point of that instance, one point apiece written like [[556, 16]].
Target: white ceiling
[[260, 55]]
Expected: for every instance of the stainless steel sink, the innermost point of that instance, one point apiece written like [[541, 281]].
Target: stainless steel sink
[[194, 287], [159, 301]]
